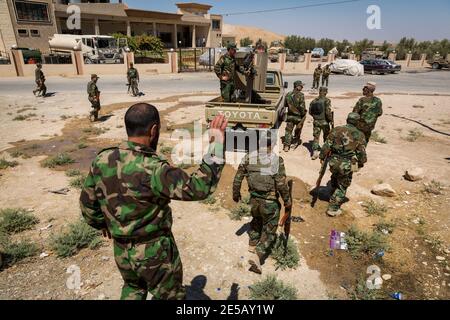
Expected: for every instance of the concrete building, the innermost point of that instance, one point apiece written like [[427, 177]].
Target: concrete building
[[29, 23]]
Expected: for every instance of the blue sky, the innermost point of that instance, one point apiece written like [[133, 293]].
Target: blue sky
[[423, 20]]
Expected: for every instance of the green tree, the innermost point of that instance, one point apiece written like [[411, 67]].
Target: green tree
[[246, 42], [298, 44], [326, 44], [149, 43]]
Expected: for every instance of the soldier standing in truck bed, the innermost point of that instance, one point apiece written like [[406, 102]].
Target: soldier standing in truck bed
[[225, 70]]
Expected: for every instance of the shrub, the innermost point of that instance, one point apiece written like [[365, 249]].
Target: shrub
[[373, 208], [360, 242], [7, 164], [377, 138], [58, 160], [14, 220], [270, 288], [434, 187], [240, 211], [79, 235], [285, 258]]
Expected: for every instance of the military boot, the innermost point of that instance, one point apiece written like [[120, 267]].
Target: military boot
[[334, 212], [316, 155], [255, 266]]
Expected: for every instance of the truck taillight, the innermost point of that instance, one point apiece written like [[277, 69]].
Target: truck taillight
[[263, 126]]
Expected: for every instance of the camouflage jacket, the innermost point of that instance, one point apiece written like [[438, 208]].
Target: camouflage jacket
[[266, 177], [320, 110], [317, 72], [370, 109], [345, 144], [39, 75], [227, 65], [295, 101], [92, 89], [129, 188], [132, 73], [326, 72]]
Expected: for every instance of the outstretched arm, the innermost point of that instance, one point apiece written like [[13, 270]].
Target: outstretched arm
[[174, 183]]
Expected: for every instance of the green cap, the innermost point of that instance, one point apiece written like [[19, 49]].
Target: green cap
[[94, 76], [231, 45], [353, 118], [323, 89], [298, 83]]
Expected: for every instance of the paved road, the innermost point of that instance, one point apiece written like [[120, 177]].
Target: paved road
[[426, 82]]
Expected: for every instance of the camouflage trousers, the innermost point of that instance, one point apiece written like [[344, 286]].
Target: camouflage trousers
[[153, 266], [325, 81], [341, 179], [41, 88], [95, 105], [263, 227], [316, 82], [293, 125], [317, 130], [367, 134], [227, 89]]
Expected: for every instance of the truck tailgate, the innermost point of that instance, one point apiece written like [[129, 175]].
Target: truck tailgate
[[249, 115]]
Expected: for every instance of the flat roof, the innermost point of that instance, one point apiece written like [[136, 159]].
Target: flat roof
[[193, 5], [152, 14]]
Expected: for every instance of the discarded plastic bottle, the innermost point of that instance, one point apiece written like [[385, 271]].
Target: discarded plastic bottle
[[397, 296]]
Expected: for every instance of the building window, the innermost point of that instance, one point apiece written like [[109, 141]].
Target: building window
[[216, 24], [31, 11], [22, 32], [35, 33]]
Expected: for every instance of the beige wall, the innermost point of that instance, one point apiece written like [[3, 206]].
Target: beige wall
[[7, 35], [105, 69], [215, 36], [154, 68], [46, 30], [63, 70], [7, 70]]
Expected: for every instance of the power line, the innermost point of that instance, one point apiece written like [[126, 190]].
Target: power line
[[290, 8]]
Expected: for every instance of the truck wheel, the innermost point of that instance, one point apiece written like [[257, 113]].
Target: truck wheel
[[436, 66]]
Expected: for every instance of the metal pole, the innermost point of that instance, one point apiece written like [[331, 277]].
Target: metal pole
[[195, 59], [181, 66], [209, 60]]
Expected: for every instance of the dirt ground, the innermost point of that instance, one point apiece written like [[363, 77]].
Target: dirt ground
[[211, 244]]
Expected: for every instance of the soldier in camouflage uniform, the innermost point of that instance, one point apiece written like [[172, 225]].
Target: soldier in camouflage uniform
[[41, 89], [370, 108], [345, 147], [296, 116], [94, 97], [316, 77], [225, 70], [133, 80], [266, 178], [320, 110], [127, 195], [326, 75]]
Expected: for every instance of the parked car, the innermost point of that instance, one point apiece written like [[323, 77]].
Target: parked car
[[317, 53], [347, 67], [379, 66], [395, 67]]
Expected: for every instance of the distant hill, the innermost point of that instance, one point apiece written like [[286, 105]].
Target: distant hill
[[240, 32]]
